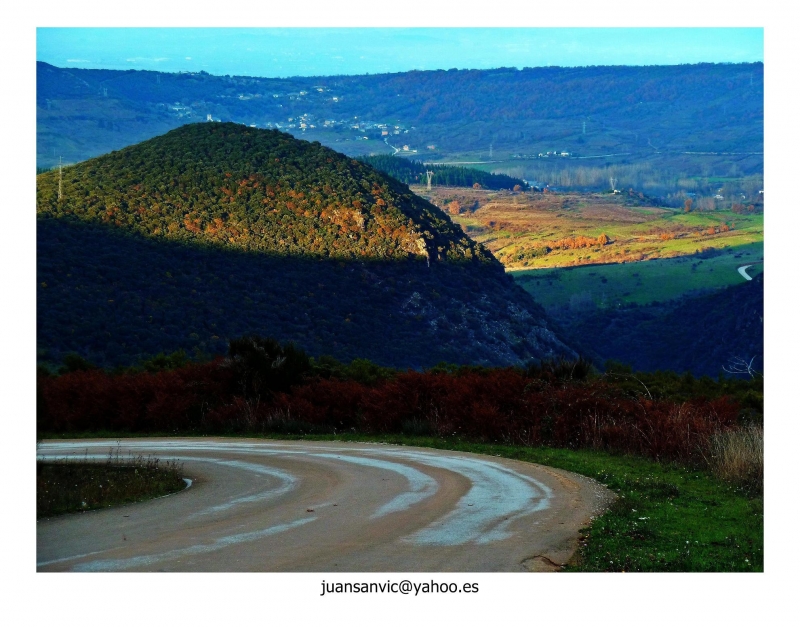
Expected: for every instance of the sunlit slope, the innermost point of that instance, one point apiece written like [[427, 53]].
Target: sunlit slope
[[254, 190]]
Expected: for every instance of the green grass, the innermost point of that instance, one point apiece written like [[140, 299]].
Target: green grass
[[667, 518], [642, 282], [67, 486]]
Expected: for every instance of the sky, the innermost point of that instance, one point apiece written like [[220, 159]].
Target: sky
[[281, 52]]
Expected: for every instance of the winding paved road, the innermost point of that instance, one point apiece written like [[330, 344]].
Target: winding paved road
[[257, 505]]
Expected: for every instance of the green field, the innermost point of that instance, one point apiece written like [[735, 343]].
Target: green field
[[587, 251], [610, 285]]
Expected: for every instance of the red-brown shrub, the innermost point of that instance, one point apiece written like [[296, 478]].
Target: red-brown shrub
[[499, 405]]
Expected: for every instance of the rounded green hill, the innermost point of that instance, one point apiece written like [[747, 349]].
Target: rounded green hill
[[261, 190]]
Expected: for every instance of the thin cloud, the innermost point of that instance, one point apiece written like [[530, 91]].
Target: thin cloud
[[146, 59]]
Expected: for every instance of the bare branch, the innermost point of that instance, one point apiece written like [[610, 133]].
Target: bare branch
[[739, 365]]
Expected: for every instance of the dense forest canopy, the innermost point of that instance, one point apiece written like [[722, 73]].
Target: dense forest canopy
[[255, 190]]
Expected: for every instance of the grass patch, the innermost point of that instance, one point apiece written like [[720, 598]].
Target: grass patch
[[655, 280], [667, 519], [68, 485]]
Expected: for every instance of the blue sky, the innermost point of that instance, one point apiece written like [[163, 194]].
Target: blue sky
[[277, 52]]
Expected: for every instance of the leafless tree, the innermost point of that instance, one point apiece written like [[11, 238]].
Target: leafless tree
[[739, 365]]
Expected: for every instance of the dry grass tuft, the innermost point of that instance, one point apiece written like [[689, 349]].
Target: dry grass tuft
[[737, 455]]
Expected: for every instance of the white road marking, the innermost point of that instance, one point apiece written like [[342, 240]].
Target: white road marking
[[197, 549], [420, 485], [498, 496], [67, 559]]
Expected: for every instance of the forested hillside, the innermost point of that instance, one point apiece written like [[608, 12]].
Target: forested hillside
[[413, 172], [215, 231], [255, 190], [640, 111], [702, 334]]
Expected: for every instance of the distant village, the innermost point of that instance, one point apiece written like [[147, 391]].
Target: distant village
[[361, 129], [545, 155]]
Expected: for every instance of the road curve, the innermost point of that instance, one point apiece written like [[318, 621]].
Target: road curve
[[743, 272], [257, 505]]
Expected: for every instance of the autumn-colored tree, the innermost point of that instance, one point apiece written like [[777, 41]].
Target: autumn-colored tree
[[476, 186], [517, 188], [687, 205], [454, 207]]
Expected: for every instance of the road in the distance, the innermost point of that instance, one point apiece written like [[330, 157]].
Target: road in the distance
[[262, 505]]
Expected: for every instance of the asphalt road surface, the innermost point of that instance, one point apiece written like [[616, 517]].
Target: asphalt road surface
[[266, 505]]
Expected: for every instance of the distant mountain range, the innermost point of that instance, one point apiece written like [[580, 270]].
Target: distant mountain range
[[217, 230], [642, 112]]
